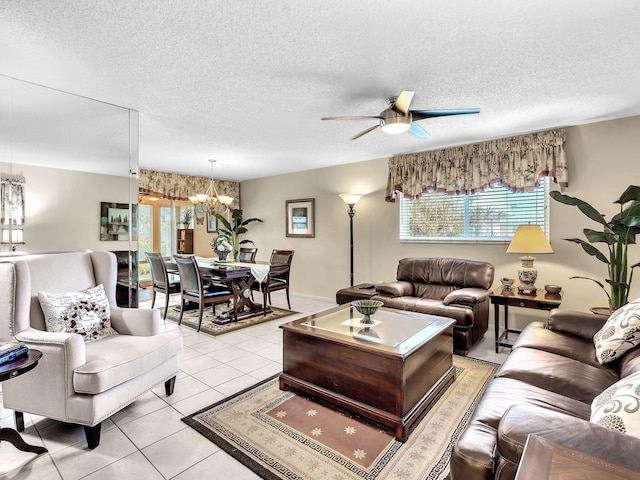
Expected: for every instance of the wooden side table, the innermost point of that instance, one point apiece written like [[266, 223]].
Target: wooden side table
[[543, 459], [7, 372], [538, 301]]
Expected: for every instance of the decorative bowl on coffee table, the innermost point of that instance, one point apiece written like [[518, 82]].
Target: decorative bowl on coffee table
[[367, 308]]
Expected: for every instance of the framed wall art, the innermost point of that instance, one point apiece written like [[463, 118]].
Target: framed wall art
[[212, 223], [301, 218], [115, 222]]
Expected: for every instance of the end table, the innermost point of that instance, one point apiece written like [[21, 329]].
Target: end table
[[538, 301], [11, 370]]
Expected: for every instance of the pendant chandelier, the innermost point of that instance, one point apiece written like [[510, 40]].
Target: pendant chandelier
[[205, 202]]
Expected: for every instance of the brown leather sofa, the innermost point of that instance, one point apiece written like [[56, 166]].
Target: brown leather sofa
[[449, 287], [545, 387]]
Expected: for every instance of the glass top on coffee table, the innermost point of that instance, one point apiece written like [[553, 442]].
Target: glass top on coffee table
[[390, 327]]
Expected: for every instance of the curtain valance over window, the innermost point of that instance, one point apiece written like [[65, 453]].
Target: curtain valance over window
[[174, 186], [517, 163]]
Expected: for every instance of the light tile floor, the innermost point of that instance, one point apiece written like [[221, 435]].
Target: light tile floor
[[147, 440]]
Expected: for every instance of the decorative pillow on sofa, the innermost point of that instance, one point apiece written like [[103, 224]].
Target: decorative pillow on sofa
[[618, 407], [85, 313], [619, 334]]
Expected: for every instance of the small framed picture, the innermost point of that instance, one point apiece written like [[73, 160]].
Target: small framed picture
[[212, 223], [301, 218]]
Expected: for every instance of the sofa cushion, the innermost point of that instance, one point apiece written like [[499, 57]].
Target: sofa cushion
[[462, 315], [119, 358], [85, 313], [619, 334], [618, 407], [536, 336], [556, 373], [456, 272]]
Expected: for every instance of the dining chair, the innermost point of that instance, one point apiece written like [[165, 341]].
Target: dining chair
[[247, 254], [160, 278], [194, 290], [278, 278]]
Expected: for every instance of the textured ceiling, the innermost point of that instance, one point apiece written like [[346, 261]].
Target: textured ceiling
[[246, 82]]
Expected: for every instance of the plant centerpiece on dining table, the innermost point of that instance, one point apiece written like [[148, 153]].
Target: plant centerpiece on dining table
[[221, 246], [234, 228], [617, 234]]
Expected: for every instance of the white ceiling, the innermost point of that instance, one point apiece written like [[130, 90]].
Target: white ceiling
[[246, 82]]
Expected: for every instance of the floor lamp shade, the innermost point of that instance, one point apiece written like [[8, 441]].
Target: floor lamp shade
[[528, 239]]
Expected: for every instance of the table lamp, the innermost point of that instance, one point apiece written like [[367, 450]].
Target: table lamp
[[528, 239]]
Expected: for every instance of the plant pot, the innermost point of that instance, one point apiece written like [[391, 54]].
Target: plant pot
[[605, 311], [222, 255]]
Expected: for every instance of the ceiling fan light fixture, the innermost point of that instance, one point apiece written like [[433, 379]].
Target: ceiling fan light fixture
[[394, 122]]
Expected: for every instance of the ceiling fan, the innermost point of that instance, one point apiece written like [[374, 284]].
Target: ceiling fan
[[398, 118]]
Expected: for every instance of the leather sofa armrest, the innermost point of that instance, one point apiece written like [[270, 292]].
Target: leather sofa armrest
[[142, 322], [521, 420], [466, 296], [580, 324], [395, 289]]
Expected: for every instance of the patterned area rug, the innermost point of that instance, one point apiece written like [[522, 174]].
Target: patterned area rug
[[190, 319], [280, 435]]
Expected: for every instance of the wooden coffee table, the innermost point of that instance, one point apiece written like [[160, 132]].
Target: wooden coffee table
[[391, 372]]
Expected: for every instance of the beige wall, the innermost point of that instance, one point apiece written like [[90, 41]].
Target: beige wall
[[603, 159], [63, 208]]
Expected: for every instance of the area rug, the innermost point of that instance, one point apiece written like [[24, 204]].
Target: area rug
[[190, 319], [280, 435]]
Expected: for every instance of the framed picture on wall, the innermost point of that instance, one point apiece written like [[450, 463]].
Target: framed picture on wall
[[300, 216], [115, 222], [212, 223]]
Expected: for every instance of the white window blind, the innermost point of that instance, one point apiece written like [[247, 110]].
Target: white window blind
[[492, 215]]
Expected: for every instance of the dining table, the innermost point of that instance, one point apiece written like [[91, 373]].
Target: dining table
[[240, 277]]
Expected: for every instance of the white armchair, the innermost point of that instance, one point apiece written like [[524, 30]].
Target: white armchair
[[78, 382]]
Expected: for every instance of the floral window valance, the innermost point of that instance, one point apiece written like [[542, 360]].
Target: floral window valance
[[517, 163], [12, 199], [174, 186]]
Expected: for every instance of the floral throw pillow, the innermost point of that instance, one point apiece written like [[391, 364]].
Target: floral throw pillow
[[619, 334], [618, 407], [85, 313]]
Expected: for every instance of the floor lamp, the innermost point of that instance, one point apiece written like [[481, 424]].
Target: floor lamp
[[351, 199]]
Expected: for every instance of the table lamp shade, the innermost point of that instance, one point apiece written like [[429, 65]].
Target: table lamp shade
[[528, 239]]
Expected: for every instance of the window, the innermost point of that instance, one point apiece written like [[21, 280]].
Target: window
[[145, 240], [491, 215], [166, 235]]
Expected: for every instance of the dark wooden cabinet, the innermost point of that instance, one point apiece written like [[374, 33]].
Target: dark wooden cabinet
[[185, 240], [127, 283]]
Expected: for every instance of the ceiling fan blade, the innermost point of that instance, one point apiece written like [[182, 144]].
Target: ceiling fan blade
[[417, 130], [364, 132], [356, 117], [403, 102], [421, 114]]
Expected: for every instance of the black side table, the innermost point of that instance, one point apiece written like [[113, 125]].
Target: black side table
[[7, 372], [538, 301]]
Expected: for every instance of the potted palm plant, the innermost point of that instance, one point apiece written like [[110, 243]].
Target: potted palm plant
[[234, 228], [617, 234]]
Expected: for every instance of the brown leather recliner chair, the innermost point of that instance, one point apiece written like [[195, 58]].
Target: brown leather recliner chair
[[449, 287]]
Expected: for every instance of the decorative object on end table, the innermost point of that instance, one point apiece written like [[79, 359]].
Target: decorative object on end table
[[554, 289], [234, 228], [367, 308], [11, 351], [300, 218], [617, 233], [507, 284], [528, 239]]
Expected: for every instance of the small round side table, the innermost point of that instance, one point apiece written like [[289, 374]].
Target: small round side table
[[11, 370]]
